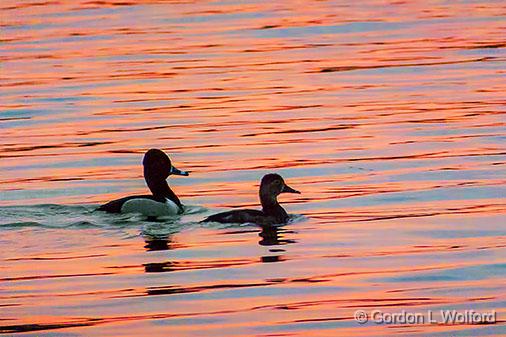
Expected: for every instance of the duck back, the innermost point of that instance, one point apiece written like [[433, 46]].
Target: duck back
[[237, 216]]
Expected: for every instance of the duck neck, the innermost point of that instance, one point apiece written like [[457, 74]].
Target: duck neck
[[161, 190], [270, 206]]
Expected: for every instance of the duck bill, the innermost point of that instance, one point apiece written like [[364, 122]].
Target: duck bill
[[178, 172], [288, 189]]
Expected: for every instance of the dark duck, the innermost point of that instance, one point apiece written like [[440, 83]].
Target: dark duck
[[272, 213], [163, 201]]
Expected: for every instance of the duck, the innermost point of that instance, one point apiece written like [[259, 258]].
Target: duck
[[162, 201], [272, 213]]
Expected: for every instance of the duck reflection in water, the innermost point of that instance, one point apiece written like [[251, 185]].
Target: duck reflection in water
[[158, 234], [153, 244], [274, 236], [158, 243]]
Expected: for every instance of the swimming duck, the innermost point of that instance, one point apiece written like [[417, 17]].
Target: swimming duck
[[163, 201], [271, 186]]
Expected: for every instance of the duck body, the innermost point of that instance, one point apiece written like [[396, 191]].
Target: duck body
[[237, 216], [163, 201], [145, 204], [271, 214]]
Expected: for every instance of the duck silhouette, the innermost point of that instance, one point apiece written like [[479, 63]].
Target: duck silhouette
[[272, 213], [163, 201]]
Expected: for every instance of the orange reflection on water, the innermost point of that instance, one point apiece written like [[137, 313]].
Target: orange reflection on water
[[387, 116]]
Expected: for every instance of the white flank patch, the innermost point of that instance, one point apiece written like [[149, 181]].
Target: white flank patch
[[150, 207]]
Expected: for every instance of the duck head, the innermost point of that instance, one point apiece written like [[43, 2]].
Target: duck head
[[271, 186], [157, 164], [157, 168]]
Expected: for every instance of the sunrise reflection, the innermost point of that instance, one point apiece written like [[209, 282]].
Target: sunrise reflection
[[387, 116]]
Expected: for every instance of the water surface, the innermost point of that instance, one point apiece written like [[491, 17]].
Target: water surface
[[388, 116]]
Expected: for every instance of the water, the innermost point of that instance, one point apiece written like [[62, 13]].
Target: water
[[388, 116]]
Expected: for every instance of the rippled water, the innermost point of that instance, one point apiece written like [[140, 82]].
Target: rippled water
[[388, 116]]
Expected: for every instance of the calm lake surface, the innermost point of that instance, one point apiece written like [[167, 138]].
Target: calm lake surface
[[388, 116]]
